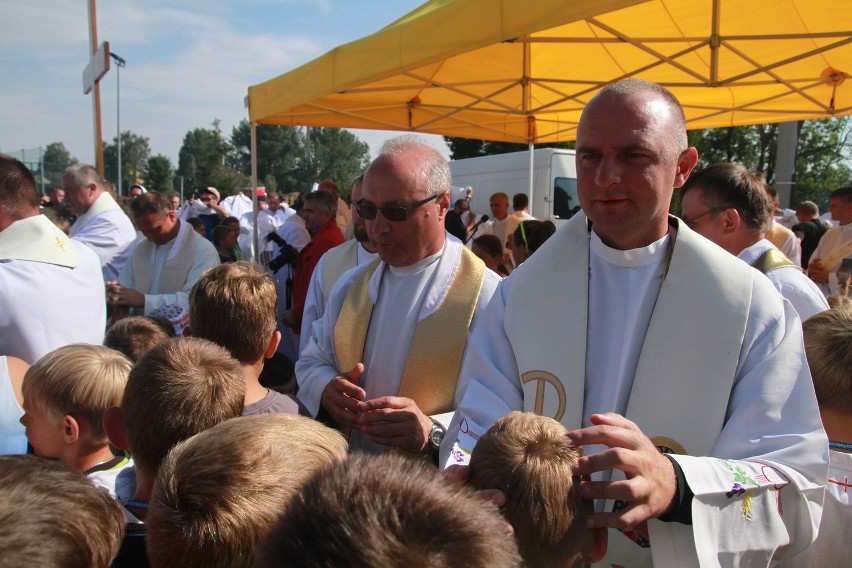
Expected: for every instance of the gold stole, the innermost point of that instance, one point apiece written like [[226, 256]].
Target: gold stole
[[434, 359], [773, 259]]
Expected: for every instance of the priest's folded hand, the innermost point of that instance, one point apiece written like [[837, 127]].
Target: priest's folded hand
[[342, 395], [650, 486], [395, 421]]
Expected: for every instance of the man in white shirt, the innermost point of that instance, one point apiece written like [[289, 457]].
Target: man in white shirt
[[726, 204], [385, 355], [51, 287], [832, 259], [502, 225], [101, 224], [642, 337], [521, 207], [162, 269]]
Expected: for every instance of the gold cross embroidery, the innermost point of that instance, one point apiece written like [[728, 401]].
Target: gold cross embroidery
[[60, 244]]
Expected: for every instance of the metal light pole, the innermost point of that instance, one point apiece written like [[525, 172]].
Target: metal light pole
[[119, 63]]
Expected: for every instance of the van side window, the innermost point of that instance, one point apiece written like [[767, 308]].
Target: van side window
[[565, 200]]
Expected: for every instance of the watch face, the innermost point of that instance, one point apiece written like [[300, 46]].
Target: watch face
[[436, 437]]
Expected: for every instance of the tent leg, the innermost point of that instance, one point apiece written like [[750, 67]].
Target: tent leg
[[254, 236]]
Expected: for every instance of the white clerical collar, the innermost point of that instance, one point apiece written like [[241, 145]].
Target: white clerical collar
[[402, 271], [633, 258], [845, 228]]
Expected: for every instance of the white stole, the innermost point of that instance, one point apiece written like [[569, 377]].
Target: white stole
[[686, 370], [104, 202], [37, 239]]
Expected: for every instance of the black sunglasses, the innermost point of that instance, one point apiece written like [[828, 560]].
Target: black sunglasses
[[395, 212]]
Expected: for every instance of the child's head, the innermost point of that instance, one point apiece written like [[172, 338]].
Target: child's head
[[197, 225], [234, 305], [51, 516], [489, 249], [66, 393], [529, 458], [529, 236], [135, 335], [224, 237], [388, 510], [179, 388], [828, 346], [218, 493]]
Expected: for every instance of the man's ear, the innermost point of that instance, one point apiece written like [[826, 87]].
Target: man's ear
[[597, 545], [731, 220], [71, 429], [114, 427], [272, 347]]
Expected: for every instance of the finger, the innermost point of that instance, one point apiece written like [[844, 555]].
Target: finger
[[385, 402], [354, 376], [632, 516], [622, 490], [342, 386], [493, 496], [458, 472]]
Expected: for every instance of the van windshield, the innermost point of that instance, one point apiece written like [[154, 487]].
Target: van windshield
[[565, 200]]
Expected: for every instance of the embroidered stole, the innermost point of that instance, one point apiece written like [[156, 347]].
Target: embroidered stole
[[434, 358], [37, 239]]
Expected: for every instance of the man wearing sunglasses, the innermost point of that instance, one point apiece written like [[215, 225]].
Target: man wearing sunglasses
[[385, 356]]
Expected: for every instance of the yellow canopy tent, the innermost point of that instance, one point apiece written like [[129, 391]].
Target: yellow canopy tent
[[521, 71]]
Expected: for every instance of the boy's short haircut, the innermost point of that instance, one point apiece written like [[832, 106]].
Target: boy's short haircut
[[234, 305], [388, 510], [135, 335], [220, 232], [51, 516], [529, 458], [81, 380], [828, 347], [219, 493], [179, 388]]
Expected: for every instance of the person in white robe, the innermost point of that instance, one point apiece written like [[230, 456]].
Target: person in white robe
[[295, 233], [726, 204], [101, 224], [162, 269], [678, 367], [385, 355], [832, 259], [354, 252], [51, 287], [238, 204]]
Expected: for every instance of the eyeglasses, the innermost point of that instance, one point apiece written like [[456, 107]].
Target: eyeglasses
[[394, 212], [205, 199], [691, 222]]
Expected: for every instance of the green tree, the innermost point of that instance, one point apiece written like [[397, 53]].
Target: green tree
[[202, 161], [135, 152], [822, 155], [461, 148], [333, 153], [278, 150], [159, 173], [55, 159]]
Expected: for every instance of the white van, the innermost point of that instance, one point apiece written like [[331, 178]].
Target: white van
[[554, 182]]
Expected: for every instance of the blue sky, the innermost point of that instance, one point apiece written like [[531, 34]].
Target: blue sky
[[187, 63]]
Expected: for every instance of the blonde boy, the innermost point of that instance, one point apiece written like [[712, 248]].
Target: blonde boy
[[66, 394], [234, 305], [529, 459], [218, 493], [828, 346]]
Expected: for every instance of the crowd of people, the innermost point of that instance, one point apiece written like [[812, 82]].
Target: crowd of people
[[220, 383]]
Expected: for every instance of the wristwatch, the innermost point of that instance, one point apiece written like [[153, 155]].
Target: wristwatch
[[436, 436]]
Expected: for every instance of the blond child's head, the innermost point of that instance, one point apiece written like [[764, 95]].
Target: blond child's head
[[529, 458], [218, 493], [828, 346], [66, 393], [234, 305]]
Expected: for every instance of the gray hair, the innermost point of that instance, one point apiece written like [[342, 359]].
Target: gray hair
[[436, 168]]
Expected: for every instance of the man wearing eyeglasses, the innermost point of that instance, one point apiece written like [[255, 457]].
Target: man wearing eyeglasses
[[678, 367], [726, 204], [386, 354]]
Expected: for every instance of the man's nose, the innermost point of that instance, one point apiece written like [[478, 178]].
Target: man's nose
[[608, 172]]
